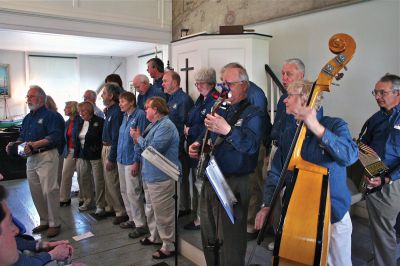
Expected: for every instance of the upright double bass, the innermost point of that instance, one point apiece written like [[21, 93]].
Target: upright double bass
[[303, 233]]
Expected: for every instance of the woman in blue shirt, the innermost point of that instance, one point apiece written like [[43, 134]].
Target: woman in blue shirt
[[128, 159], [328, 143], [158, 187], [205, 83]]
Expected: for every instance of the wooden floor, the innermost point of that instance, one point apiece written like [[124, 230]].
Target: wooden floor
[[111, 245]]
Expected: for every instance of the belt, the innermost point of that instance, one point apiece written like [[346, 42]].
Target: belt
[[40, 150], [106, 144]]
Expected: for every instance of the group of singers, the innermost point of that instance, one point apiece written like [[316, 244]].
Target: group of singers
[[106, 151]]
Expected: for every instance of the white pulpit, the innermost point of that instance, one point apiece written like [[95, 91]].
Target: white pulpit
[[214, 50]]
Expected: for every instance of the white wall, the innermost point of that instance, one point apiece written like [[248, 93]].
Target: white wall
[[94, 69], [92, 72], [374, 25], [136, 65]]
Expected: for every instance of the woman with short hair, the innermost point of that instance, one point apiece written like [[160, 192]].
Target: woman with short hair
[[69, 165], [163, 136], [88, 145], [128, 160]]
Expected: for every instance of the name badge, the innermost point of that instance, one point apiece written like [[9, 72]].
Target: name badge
[[239, 122]]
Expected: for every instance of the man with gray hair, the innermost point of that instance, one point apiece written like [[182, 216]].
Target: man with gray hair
[[42, 135], [237, 132], [142, 85], [112, 123], [382, 135], [91, 96]]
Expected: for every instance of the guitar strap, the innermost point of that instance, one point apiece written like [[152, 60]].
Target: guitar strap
[[243, 105]]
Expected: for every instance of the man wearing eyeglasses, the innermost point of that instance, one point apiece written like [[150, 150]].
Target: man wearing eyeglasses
[[383, 136], [237, 133], [42, 135]]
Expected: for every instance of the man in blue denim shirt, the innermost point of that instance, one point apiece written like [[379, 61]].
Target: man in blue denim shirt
[[42, 134], [327, 143], [145, 90], [383, 136], [237, 157], [179, 104], [111, 127]]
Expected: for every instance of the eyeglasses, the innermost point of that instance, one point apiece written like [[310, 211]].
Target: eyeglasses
[[293, 94], [228, 84], [380, 93]]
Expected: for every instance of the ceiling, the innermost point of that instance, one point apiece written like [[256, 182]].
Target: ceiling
[[67, 44]]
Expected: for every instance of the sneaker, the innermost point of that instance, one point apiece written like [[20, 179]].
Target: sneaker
[[127, 225], [138, 232], [120, 219], [53, 231]]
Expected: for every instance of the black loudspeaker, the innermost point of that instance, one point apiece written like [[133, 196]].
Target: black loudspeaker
[[11, 166]]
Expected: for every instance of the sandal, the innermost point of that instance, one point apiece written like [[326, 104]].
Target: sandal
[[162, 255], [146, 242]]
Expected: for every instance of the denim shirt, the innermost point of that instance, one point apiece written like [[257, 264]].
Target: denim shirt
[[256, 96], [152, 91], [42, 124], [336, 150], [179, 104], [128, 152], [383, 136], [163, 137], [111, 127], [238, 153]]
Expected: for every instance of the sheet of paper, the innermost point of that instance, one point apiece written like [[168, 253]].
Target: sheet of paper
[[83, 236]]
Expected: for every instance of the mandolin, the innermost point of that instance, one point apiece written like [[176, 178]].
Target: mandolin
[[206, 146]]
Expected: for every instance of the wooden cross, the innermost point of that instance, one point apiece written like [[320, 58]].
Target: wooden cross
[[187, 69]]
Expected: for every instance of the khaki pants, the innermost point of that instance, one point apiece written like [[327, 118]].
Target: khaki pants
[[68, 170], [90, 173], [383, 207], [132, 194], [112, 188], [160, 212], [41, 171]]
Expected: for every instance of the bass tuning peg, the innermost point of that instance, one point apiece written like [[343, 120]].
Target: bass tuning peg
[[339, 76]]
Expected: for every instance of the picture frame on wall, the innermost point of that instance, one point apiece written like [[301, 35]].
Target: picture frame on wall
[[5, 80]]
